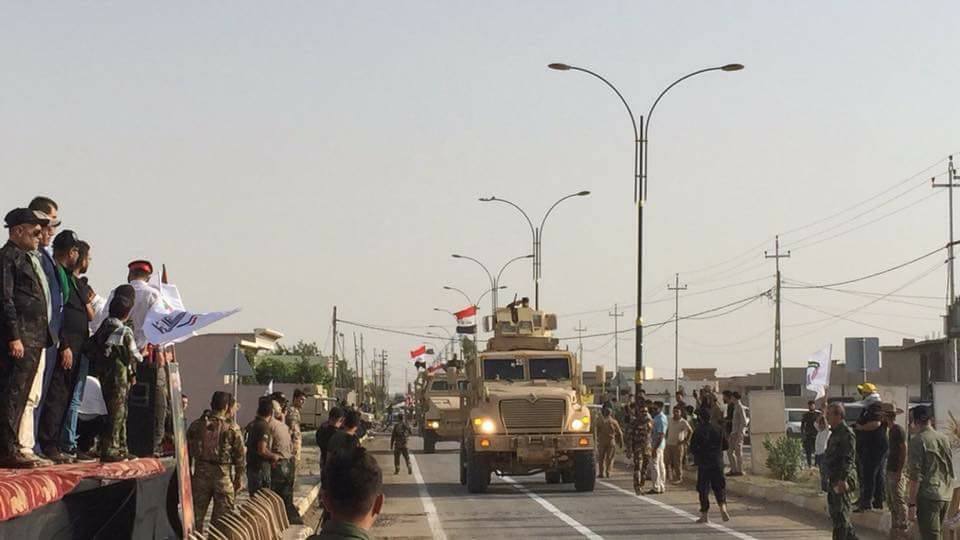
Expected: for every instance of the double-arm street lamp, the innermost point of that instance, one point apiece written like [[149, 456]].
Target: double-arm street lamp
[[640, 135], [494, 282], [537, 233], [476, 302]]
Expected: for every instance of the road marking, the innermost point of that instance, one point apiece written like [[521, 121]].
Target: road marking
[[432, 518], [678, 511], [553, 509]]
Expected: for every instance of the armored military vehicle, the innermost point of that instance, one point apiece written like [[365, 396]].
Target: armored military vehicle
[[441, 417], [526, 410]]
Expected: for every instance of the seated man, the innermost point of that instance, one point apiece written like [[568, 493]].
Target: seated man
[[352, 494]]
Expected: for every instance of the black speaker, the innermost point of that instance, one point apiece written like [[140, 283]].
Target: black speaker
[[141, 416]]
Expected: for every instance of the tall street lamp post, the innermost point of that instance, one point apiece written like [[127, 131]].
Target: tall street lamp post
[[493, 282], [537, 233], [640, 160]]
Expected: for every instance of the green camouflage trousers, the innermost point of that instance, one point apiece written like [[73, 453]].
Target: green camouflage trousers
[[210, 480], [115, 385], [838, 505]]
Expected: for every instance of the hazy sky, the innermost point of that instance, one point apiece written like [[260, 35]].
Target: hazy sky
[[286, 157]]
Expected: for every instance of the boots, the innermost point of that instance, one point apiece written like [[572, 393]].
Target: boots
[[723, 512], [703, 518]]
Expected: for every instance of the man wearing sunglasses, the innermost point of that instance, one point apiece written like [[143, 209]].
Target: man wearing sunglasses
[[24, 332], [55, 301]]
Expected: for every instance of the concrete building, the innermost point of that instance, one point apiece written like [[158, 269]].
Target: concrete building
[[206, 365], [914, 364]]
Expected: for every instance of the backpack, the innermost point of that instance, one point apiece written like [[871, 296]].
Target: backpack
[[210, 440]]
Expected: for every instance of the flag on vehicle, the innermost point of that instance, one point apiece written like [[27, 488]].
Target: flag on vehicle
[[420, 356], [466, 323], [818, 371]]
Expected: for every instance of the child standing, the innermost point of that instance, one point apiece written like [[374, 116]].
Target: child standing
[[820, 448], [116, 357]]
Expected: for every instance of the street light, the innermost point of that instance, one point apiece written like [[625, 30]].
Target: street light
[[640, 187], [494, 287], [537, 233], [467, 297]]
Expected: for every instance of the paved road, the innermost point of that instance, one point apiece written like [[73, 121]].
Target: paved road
[[527, 507]]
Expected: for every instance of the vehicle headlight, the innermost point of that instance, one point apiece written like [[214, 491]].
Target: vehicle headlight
[[433, 424], [580, 424], [486, 425]]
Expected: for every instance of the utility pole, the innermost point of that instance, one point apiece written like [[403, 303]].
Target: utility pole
[[676, 288], [333, 371], [383, 377], [363, 382], [951, 178], [356, 371], [580, 330], [616, 346], [777, 359]]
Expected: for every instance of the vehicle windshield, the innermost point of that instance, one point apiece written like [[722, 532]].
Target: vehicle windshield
[[502, 369], [550, 368], [440, 385], [463, 385], [796, 416]]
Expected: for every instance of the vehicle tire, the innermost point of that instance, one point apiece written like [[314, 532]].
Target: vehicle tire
[[463, 464], [478, 473], [429, 442], [584, 470], [553, 477], [566, 476]]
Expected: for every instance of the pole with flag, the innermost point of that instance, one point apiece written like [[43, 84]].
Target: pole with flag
[[466, 320], [818, 372]]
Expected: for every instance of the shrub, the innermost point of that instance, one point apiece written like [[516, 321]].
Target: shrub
[[784, 457]]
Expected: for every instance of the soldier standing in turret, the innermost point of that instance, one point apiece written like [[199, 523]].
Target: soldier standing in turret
[[641, 424]]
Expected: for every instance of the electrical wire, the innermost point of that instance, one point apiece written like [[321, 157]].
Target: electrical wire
[[835, 316], [869, 276]]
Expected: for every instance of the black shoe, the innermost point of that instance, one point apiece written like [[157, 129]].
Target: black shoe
[[878, 506], [18, 461], [58, 457], [86, 457], [112, 458]]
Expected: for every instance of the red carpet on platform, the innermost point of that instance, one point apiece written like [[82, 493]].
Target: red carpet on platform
[[21, 490]]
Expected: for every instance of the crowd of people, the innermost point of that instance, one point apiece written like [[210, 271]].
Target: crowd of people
[[57, 331], [862, 467], [876, 462], [660, 447]]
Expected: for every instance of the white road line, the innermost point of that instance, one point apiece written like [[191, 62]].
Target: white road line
[[678, 511], [553, 509], [432, 518]]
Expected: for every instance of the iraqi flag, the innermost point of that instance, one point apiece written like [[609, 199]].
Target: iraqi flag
[[466, 320], [420, 356]]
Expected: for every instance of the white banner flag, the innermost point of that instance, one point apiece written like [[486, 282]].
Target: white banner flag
[[169, 322], [818, 371]]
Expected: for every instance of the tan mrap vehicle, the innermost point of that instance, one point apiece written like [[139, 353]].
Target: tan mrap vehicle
[[442, 417], [526, 409]]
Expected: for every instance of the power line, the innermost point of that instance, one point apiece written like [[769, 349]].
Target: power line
[[869, 276], [835, 316]]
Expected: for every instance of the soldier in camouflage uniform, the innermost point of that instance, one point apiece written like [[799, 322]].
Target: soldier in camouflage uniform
[[398, 443], [293, 422], [216, 445], [115, 357], [641, 425], [839, 466]]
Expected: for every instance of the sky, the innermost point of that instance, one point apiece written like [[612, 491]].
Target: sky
[[290, 157]]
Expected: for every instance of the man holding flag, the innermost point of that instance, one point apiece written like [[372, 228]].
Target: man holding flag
[[818, 380]]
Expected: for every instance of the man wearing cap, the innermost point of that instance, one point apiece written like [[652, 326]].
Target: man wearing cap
[[896, 458], [930, 471], [24, 331], [138, 276], [871, 449], [74, 331], [55, 300]]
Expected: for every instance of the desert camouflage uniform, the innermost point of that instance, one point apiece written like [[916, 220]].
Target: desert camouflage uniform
[[641, 425], [212, 476], [296, 437]]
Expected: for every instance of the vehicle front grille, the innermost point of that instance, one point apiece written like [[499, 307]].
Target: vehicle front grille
[[523, 416]]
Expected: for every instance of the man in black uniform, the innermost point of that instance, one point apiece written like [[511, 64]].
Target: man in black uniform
[[74, 331], [808, 429], [331, 426], [24, 328]]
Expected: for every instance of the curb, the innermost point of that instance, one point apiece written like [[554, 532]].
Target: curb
[[304, 503]]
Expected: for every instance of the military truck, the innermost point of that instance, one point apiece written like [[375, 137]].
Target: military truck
[[526, 409], [441, 417]]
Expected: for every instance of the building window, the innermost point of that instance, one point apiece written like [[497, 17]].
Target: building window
[[792, 390]]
